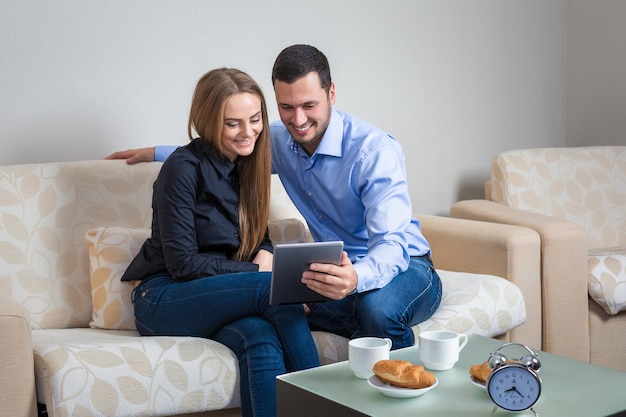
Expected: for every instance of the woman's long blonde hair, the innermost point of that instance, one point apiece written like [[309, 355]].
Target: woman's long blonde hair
[[206, 118]]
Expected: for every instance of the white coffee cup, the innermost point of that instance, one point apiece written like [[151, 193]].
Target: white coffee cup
[[364, 352], [439, 349]]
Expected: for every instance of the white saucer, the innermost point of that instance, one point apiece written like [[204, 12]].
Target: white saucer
[[479, 384], [398, 392]]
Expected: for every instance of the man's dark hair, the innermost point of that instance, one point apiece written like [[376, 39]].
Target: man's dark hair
[[296, 61]]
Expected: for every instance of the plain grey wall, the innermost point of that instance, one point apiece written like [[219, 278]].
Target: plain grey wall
[[596, 68], [455, 81]]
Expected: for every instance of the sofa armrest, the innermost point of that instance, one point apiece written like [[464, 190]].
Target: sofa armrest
[[17, 372], [563, 273], [510, 252]]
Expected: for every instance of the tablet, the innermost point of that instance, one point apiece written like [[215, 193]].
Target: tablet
[[290, 260]]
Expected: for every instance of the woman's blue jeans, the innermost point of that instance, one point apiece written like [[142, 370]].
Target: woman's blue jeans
[[410, 298], [232, 309]]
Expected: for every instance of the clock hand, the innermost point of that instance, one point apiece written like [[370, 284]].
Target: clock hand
[[511, 390]]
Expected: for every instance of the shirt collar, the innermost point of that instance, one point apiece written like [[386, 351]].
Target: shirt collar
[[331, 143], [222, 164]]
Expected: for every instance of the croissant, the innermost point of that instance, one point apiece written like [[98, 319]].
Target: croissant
[[480, 372], [403, 374]]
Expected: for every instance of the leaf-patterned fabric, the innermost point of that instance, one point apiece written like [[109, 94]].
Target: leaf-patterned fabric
[[111, 249], [584, 185], [68, 229]]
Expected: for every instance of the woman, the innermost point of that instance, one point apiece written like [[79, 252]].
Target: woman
[[205, 269]]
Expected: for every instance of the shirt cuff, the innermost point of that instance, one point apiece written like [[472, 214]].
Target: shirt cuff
[[161, 152]]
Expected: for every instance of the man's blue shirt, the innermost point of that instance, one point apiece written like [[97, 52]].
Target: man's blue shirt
[[354, 189]]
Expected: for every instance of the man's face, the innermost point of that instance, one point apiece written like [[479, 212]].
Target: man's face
[[304, 108]]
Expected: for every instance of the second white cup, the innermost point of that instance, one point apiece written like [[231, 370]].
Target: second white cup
[[439, 349], [364, 352]]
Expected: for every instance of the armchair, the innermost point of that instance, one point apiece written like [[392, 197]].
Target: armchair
[[575, 199]]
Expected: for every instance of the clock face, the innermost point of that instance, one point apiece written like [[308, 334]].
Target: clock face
[[514, 387]]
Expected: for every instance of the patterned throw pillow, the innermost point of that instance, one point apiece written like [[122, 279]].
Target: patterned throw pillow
[[111, 249], [607, 279], [290, 230]]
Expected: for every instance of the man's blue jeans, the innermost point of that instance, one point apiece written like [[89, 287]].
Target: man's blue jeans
[[232, 309], [410, 298]]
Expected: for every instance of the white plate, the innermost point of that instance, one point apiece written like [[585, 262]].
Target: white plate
[[398, 392], [479, 384]]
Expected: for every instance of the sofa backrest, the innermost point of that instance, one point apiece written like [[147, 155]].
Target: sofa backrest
[[45, 210], [585, 185]]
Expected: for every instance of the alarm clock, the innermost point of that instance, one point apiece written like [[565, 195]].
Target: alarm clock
[[514, 384]]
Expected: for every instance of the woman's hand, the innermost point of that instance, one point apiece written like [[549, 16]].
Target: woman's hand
[[264, 259]]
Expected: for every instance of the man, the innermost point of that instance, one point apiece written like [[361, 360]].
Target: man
[[348, 180]]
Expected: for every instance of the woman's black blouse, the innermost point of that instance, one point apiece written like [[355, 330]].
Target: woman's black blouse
[[195, 223]]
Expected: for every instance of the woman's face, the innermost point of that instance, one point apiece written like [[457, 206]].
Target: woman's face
[[243, 122]]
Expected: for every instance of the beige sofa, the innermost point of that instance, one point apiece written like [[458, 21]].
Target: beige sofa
[[67, 338], [575, 198]]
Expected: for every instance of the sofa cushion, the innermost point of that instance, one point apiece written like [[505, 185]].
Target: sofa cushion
[[476, 304], [607, 279], [95, 372]]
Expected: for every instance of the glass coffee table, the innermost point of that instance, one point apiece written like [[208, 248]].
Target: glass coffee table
[[569, 388]]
